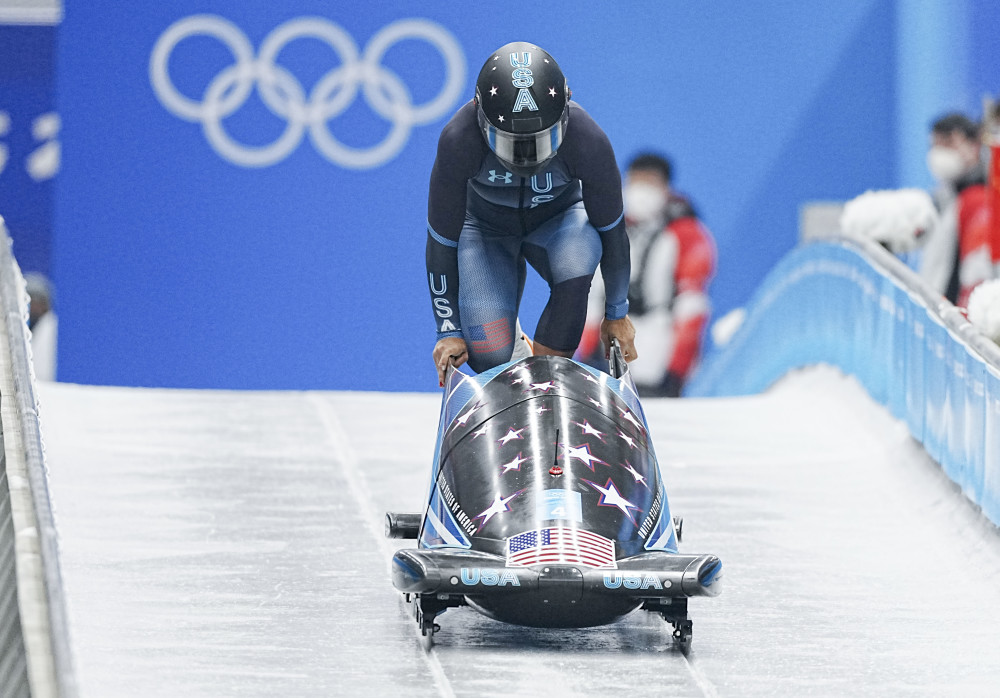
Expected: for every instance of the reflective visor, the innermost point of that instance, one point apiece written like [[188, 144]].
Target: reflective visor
[[524, 149]]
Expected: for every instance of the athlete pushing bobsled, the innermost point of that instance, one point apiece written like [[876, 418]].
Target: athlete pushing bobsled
[[546, 505], [523, 173]]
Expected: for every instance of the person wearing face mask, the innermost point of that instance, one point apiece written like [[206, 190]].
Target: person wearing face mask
[[672, 262], [957, 255], [44, 325], [523, 175]]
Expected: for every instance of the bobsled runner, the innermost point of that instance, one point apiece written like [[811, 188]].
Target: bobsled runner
[[546, 506]]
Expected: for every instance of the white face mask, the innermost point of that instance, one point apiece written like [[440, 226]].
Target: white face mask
[[945, 164], [644, 202]]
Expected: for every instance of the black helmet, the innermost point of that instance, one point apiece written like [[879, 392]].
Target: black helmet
[[523, 105]]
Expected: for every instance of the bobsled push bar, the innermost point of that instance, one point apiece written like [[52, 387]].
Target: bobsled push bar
[[648, 575], [616, 362]]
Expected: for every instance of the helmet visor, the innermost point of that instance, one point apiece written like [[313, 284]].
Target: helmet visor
[[524, 149]]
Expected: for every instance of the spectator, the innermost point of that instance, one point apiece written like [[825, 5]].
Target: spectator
[[991, 216], [957, 255], [673, 261], [44, 324]]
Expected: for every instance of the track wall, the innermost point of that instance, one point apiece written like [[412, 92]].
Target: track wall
[[35, 658], [851, 304]]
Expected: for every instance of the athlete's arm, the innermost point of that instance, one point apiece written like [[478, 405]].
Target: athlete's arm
[[591, 159], [459, 156]]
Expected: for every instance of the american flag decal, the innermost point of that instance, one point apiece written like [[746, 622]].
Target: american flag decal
[[491, 336], [560, 545]]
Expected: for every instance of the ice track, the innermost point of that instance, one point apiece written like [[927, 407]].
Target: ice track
[[230, 544]]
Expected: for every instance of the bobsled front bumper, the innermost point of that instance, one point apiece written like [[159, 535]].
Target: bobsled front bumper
[[470, 573]]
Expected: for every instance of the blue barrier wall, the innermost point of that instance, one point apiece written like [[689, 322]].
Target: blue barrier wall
[[852, 305], [177, 265]]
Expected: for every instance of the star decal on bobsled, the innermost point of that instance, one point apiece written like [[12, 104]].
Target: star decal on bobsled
[[514, 464], [544, 387], [519, 374], [597, 403], [628, 439], [611, 497], [461, 421], [499, 506], [587, 429], [627, 414], [480, 431], [635, 474], [511, 435], [582, 453]]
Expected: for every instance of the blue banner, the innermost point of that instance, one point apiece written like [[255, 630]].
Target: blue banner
[[243, 196]]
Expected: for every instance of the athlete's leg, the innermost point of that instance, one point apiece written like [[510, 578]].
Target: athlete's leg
[[565, 251], [488, 292]]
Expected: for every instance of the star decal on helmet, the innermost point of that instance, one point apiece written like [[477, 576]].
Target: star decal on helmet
[[500, 118], [493, 91], [552, 92]]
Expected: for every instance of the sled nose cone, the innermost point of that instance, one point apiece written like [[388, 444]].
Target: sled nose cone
[[703, 578], [414, 573]]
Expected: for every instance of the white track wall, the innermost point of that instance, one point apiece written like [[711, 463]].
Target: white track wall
[[35, 659]]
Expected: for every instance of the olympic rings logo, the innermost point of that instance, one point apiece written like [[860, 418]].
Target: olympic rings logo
[[285, 96]]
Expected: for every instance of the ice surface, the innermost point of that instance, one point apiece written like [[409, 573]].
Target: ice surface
[[230, 544]]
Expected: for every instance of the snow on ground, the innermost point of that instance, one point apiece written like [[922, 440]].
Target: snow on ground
[[229, 543]]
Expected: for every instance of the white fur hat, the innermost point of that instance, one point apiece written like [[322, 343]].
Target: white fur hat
[[984, 309], [896, 218]]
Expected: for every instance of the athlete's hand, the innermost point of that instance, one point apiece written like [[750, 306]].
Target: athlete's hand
[[624, 332], [449, 350]]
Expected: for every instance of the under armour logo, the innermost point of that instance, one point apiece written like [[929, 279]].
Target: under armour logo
[[506, 176]]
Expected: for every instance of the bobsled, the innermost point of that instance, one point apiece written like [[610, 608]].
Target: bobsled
[[547, 507]]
